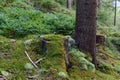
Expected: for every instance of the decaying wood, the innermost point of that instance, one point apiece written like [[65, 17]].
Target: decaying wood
[[31, 60], [67, 58], [100, 39], [44, 49], [44, 42]]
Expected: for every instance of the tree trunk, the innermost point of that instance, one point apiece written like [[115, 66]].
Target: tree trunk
[[69, 4], [115, 13], [98, 3], [85, 30]]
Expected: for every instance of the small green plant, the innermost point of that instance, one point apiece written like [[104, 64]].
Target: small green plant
[[76, 53], [116, 42], [117, 68], [62, 75], [28, 66], [106, 68]]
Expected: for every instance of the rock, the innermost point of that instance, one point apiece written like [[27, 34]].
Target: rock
[[12, 40], [28, 66], [4, 73], [2, 78]]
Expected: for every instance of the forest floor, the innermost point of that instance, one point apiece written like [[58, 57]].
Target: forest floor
[[15, 65], [19, 18]]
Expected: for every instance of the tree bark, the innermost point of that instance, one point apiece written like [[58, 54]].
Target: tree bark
[[98, 3], [85, 30], [69, 4], [115, 13]]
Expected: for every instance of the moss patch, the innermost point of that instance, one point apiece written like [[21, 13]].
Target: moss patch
[[52, 63]]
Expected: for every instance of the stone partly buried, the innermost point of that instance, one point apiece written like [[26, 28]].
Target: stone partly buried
[[12, 40]]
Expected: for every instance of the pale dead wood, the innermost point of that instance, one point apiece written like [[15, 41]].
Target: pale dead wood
[[38, 61], [31, 60]]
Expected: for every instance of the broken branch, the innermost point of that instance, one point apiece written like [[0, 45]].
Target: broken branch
[[31, 60]]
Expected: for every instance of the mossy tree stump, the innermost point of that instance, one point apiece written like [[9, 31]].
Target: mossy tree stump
[[100, 39], [52, 47]]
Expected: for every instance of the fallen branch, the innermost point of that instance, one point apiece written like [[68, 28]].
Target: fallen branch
[[31, 60], [38, 61]]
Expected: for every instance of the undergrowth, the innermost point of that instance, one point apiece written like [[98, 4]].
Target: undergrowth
[[21, 18], [20, 22]]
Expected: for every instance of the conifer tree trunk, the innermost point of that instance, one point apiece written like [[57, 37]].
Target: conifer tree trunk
[[115, 13], [69, 4], [85, 30]]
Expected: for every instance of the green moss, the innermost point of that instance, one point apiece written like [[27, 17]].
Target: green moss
[[116, 43], [107, 62], [78, 58], [9, 56], [111, 47], [103, 76], [100, 34], [74, 73], [13, 60], [54, 56]]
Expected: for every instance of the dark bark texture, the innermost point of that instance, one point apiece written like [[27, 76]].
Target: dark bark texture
[[85, 30]]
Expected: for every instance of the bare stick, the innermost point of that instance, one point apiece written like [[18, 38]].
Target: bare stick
[[31, 60], [38, 61]]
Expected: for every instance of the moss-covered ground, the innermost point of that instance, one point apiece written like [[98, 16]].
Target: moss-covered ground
[[19, 18], [52, 65]]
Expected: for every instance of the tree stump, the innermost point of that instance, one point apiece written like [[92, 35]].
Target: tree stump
[[67, 58], [100, 39], [43, 42]]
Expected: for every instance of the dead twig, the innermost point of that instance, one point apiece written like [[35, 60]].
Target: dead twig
[[39, 60], [31, 60]]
